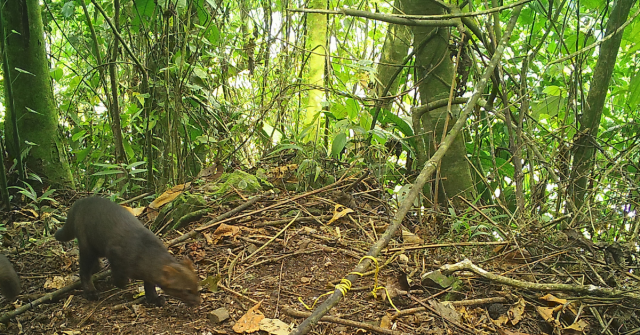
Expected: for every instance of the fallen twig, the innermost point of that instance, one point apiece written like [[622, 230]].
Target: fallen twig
[[333, 319], [48, 297], [411, 311], [581, 289], [443, 245]]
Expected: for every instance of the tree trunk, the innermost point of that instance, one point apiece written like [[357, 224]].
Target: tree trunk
[[316, 44], [33, 102], [435, 73], [395, 48], [584, 147], [116, 128]]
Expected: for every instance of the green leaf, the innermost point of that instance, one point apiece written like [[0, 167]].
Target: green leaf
[[128, 150], [633, 97], [110, 166], [338, 143], [547, 107], [68, 9], [338, 110], [555, 91], [353, 108], [287, 146], [56, 73], [107, 172], [212, 34], [132, 165], [82, 154]]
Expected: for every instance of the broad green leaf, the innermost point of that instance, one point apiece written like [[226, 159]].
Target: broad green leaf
[[110, 166], [68, 9], [128, 150], [555, 91], [547, 107], [212, 34], [82, 154], [106, 172], [78, 135], [338, 110], [633, 98], [353, 108], [338, 143], [56, 73]]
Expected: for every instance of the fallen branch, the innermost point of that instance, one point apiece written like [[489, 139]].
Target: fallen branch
[[48, 298], [219, 219], [443, 245], [333, 319], [467, 265], [411, 311]]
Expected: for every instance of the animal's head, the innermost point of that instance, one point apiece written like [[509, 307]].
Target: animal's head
[[180, 280]]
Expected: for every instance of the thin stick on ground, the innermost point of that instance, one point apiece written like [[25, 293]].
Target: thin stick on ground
[[582, 289], [333, 319], [272, 239], [429, 168]]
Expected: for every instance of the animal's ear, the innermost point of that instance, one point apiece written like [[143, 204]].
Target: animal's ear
[[187, 262]]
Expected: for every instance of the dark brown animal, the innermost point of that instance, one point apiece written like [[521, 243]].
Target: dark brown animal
[[9, 281], [106, 229]]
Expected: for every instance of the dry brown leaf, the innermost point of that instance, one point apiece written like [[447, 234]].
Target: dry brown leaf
[[446, 310], [152, 214], [579, 326], [169, 195], [224, 230], [274, 326], [58, 282], [385, 322], [134, 211], [501, 320], [250, 321], [32, 212], [552, 300], [411, 238], [508, 332], [547, 315], [339, 211], [516, 312], [217, 168]]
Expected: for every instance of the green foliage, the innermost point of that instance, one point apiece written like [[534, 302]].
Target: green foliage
[[224, 85]]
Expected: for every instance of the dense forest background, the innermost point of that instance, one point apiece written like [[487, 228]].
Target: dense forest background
[[142, 95], [507, 116]]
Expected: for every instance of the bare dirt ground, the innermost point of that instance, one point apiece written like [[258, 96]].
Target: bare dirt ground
[[305, 261]]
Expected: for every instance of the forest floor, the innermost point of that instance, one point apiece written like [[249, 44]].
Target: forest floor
[[308, 258]]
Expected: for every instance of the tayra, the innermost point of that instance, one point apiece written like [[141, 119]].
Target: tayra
[[9, 281], [106, 229]]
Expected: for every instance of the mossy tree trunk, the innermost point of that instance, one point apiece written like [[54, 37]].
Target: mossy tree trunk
[[435, 74], [35, 110]]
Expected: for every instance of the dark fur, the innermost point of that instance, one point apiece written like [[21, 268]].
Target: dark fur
[[9, 281], [106, 229]]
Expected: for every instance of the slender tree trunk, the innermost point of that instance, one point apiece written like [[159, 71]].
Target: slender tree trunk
[[584, 148], [113, 74], [316, 44], [34, 107]]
